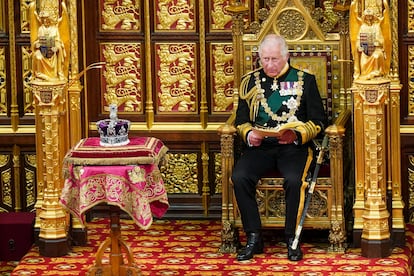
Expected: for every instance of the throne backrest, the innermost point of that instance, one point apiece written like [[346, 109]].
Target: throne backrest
[[311, 49]]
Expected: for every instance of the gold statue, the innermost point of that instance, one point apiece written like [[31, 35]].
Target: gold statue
[[50, 38], [370, 40]]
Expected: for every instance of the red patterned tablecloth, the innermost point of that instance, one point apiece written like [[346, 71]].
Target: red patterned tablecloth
[[126, 176]]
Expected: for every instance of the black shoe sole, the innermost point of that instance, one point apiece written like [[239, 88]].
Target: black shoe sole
[[248, 257]]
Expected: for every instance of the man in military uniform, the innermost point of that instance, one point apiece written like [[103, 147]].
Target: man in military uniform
[[273, 98]]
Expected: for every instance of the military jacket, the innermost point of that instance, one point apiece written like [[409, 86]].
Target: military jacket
[[270, 102]]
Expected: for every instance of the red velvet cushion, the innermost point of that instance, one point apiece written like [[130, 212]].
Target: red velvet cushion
[[140, 150]]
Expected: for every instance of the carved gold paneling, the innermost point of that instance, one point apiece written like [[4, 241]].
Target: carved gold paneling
[[122, 76], [178, 15], [217, 173], [26, 77], [30, 179], [220, 19], [410, 67], [272, 203], [24, 16], [4, 160], [6, 180], [411, 187], [3, 74], [410, 16], [180, 173], [120, 15], [222, 77], [176, 77]]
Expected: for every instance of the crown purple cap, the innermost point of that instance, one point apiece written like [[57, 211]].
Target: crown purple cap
[[113, 131]]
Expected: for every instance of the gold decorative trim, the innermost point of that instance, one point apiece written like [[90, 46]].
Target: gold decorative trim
[[2, 16], [24, 16], [14, 105], [149, 104], [3, 74], [410, 78], [23, 129], [410, 16], [26, 76], [168, 126], [406, 129]]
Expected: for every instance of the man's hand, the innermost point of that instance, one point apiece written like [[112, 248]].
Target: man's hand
[[254, 139], [287, 137]]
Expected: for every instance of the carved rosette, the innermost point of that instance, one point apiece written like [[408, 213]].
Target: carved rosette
[[291, 24], [181, 173]]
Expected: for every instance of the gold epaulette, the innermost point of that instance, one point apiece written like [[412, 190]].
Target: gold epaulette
[[250, 72], [244, 92]]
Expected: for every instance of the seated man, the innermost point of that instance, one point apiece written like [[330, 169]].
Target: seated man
[[270, 97], [48, 51]]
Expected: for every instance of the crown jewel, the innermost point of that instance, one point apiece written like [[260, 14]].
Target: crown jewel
[[113, 131]]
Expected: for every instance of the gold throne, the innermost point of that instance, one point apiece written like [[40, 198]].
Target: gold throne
[[313, 49]]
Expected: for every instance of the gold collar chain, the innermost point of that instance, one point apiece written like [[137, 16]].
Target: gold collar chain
[[292, 104]]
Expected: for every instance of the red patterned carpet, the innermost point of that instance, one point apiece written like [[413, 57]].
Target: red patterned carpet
[[191, 248]]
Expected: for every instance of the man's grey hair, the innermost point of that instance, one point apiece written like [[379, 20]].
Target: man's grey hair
[[274, 40]]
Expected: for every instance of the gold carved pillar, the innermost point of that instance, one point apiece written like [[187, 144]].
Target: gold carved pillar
[[378, 208], [50, 53], [394, 169], [51, 122], [229, 235], [336, 135], [371, 98]]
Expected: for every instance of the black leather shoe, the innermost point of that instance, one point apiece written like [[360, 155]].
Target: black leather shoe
[[253, 246], [294, 254]]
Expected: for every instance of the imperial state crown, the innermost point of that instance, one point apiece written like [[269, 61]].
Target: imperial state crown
[[113, 131]]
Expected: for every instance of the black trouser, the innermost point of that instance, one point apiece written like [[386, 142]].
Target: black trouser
[[293, 163]]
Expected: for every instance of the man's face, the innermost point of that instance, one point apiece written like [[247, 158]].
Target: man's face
[[46, 21], [272, 60]]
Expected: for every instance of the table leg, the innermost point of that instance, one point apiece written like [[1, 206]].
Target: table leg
[[116, 266]]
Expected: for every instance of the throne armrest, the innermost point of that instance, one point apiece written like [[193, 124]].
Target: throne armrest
[[227, 132], [336, 133]]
